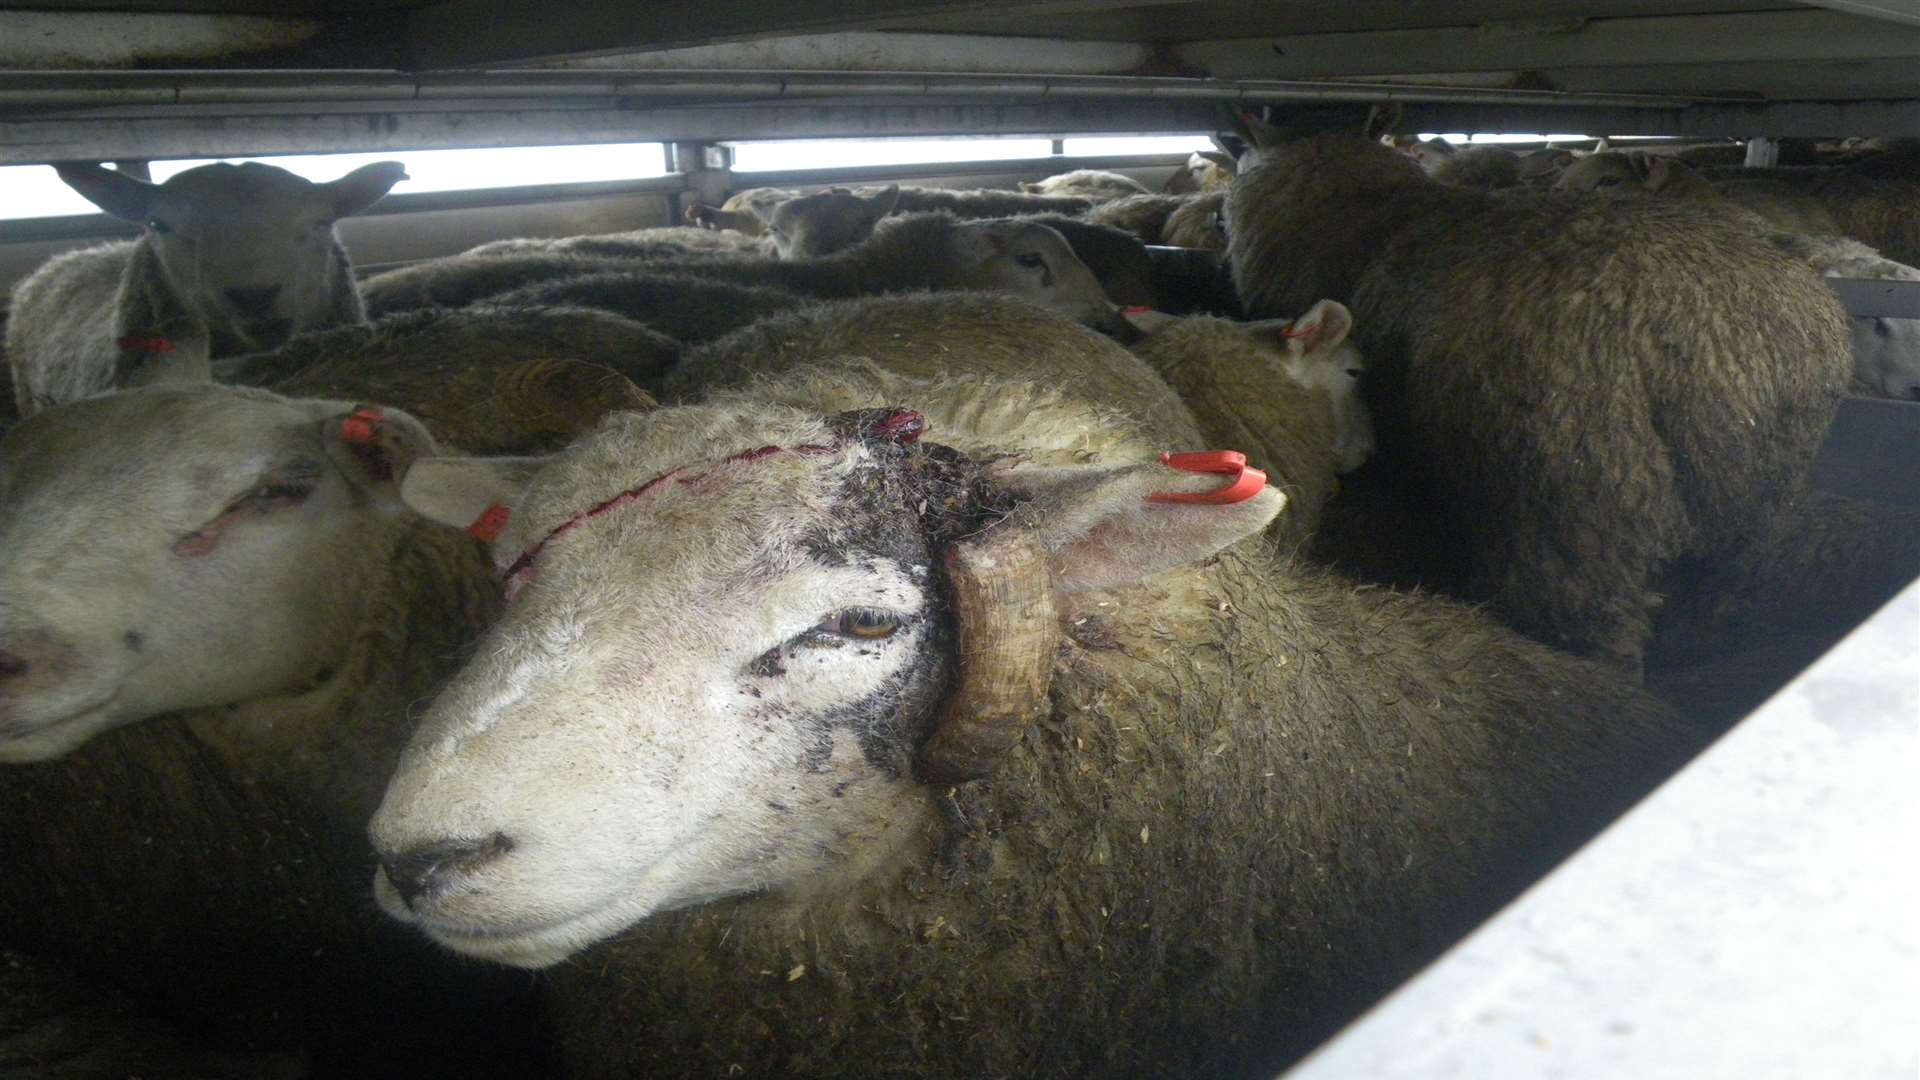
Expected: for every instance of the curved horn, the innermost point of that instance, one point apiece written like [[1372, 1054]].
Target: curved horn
[[572, 395], [1002, 596]]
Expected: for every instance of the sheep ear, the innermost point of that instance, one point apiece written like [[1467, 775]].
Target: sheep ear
[[374, 447], [1225, 161], [883, 201], [1321, 330], [468, 493], [364, 186], [123, 196], [1100, 528]]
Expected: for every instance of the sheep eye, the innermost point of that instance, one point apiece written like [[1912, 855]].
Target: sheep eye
[[1032, 260], [867, 624], [159, 226]]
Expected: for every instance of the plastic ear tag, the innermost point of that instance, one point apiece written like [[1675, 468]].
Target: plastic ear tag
[[1295, 330], [1246, 483], [490, 524], [361, 424]]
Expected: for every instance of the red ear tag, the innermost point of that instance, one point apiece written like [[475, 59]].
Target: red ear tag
[[1295, 331], [361, 424], [492, 521], [1137, 309], [144, 344], [1245, 485]]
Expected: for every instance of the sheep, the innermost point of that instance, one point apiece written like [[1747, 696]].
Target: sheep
[[654, 243], [909, 252], [214, 619], [1876, 201], [1886, 351], [687, 309], [743, 212], [1088, 183], [971, 203], [1482, 168], [1185, 808], [1285, 391], [1598, 394], [492, 379], [1198, 224], [1765, 204], [232, 258], [1205, 170], [459, 280], [1144, 216]]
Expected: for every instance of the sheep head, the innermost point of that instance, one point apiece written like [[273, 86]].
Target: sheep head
[[827, 221], [249, 249], [743, 653], [179, 546]]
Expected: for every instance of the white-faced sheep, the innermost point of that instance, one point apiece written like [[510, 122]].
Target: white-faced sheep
[[1766, 203], [1886, 351], [1482, 168], [743, 212], [232, 258], [216, 616], [988, 755], [1205, 170], [1604, 395], [1099, 184], [1286, 391]]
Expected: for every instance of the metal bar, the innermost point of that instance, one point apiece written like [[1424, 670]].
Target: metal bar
[[470, 33], [69, 39], [892, 50], [201, 135], [883, 174], [1878, 299], [67, 89], [1901, 11], [1787, 35]]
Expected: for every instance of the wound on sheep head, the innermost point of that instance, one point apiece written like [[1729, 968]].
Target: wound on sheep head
[[249, 248], [746, 667], [180, 546]]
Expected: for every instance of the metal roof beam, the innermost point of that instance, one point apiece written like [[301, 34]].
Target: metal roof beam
[[1800, 36]]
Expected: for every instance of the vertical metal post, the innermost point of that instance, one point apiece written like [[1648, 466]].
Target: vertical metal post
[[1762, 152], [708, 169]]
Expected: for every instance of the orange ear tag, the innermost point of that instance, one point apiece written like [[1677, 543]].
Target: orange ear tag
[[1246, 483], [361, 424], [492, 521]]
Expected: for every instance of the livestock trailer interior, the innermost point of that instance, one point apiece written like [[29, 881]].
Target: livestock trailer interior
[[1752, 917]]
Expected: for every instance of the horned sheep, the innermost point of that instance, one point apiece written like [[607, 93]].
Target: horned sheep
[[1552, 374], [830, 753], [232, 258]]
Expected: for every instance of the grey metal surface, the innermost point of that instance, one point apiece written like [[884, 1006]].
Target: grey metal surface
[[1752, 919], [1870, 450]]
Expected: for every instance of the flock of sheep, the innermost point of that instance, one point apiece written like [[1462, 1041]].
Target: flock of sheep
[[922, 690]]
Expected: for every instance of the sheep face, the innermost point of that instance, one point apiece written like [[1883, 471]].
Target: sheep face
[[1608, 173], [1886, 357], [1035, 263], [250, 248], [171, 547], [744, 655], [820, 224], [717, 665]]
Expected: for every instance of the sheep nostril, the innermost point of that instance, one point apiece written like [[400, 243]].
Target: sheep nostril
[[430, 868]]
